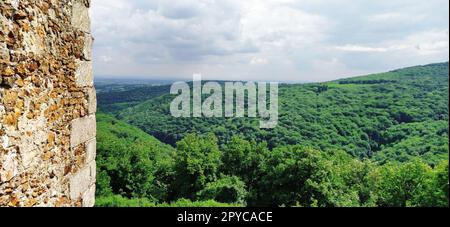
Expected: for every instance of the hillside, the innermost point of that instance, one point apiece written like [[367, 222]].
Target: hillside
[[123, 154], [134, 169], [113, 98], [377, 140], [389, 116]]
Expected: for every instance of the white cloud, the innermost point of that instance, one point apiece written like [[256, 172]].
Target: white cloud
[[282, 39], [258, 61], [430, 42], [357, 48], [424, 43], [395, 17]]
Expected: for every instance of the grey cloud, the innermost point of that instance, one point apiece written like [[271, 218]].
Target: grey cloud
[[185, 10], [281, 39]]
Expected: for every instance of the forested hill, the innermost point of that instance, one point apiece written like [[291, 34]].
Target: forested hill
[[128, 159], [129, 95], [377, 140], [388, 116]]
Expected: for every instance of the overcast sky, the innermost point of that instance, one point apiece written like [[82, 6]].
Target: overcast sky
[[271, 40]]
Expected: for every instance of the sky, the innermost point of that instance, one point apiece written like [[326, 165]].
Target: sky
[[265, 40]]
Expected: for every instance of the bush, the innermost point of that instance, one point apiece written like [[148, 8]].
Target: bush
[[119, 201], [228, 189], [197, 163], [401, 185], [189, 203]]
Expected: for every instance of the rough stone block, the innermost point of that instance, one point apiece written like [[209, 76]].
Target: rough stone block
[[80, 17], [87, 50], [91, 148], [89, 197], [31, 143], [92, 100], [93, 166], [83, 129], [80, 183], [83, 74]]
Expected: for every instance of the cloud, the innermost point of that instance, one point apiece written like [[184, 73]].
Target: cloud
[[396, 18], [424, 43], [263, 40], [258, 61], [356, 48], [430, 42]]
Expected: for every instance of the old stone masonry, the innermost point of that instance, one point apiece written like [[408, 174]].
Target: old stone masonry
[[47, 104]]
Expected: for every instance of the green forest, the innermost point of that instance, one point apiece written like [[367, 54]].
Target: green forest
[[374, 141]]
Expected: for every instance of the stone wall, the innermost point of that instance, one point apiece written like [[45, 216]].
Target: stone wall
[[47, 104]]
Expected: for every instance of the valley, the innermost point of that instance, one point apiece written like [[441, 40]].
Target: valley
[[347, 142]]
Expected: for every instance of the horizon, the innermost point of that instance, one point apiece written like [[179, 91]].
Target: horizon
[[171, 80]]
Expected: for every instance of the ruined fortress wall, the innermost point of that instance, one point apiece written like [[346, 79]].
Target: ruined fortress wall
[[47, 104]]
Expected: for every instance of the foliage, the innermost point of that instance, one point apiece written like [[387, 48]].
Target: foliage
[[226, 189], [130, 162], [412, 184], [243, 158], [119, 201], [396, 115], [377, 140], [207, 203], [197, 163], [128, 96]]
